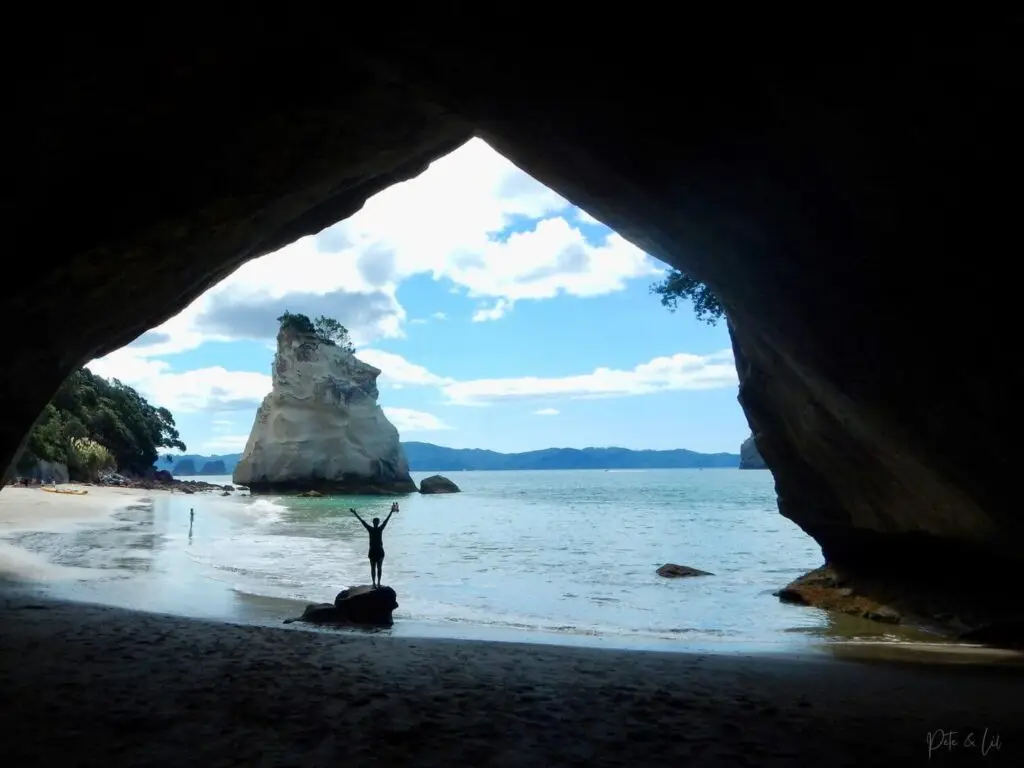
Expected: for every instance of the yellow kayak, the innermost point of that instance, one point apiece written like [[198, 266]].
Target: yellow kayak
[[72, 491]]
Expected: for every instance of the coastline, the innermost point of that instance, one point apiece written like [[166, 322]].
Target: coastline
[[139, 688], [87, 578]]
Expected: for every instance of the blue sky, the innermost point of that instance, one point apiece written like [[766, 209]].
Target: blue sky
[[500, 316]]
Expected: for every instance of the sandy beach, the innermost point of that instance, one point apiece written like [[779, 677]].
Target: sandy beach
[[35, 509], [86, 685], [91, 686]]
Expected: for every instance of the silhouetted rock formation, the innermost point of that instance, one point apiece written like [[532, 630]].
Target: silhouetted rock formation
[[367, 605]]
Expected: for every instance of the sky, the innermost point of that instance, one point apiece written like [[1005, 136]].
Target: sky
[[500, 316]]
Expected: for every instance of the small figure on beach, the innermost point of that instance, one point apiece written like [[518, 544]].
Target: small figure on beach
[[376, 553], [191, 517]]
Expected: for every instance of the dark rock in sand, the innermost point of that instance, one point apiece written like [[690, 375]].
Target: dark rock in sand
[[827, 589], [356, 605], [673, 571], [438, 484], [791, 596]]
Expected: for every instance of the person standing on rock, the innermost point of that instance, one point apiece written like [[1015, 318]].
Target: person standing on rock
[[376, 553]]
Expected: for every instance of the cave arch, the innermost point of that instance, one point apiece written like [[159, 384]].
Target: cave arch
[[827, 191]]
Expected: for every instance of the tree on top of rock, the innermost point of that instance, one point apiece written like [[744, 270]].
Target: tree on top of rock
[[331, 331], [297, 324], [325, 329], [678, 285]]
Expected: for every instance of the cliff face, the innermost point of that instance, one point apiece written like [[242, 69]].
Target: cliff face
[[750, 457], [320, 428]]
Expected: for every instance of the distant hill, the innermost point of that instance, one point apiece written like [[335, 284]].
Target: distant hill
[[427, 457], [186, 466]]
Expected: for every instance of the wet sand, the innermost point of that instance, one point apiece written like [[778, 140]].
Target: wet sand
[[85, 685], [34, 509], [97, 686]]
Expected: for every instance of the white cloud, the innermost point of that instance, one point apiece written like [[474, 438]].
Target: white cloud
[[396, 370], [494, 313], [223, 444], [409, 420], [452, 222], [201, 389], [546, 412], [662, 374], [473, 219]]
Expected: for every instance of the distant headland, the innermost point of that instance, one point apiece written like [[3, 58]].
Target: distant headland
[[427, 457]]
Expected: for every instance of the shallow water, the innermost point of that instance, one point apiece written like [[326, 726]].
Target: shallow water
[[548, 556]]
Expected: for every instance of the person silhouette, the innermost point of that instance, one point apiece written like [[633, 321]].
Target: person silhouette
[[376, 553]]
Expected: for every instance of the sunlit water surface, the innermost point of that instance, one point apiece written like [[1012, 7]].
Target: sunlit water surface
[[545, 556]]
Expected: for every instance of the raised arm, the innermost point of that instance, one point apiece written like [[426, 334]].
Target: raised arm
[[359, 518], [385, 523]]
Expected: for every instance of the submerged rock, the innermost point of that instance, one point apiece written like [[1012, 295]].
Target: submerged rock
[[673, 571], [365, 604], [438, 484], [321, 428]]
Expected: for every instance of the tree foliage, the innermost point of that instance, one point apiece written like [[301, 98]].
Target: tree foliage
[[92, 424], [678, 285], [325, 329]]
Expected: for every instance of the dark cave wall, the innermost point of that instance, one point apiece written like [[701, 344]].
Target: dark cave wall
[[849, 199]]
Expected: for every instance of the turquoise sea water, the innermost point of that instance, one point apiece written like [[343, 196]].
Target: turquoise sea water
[[551, 556]]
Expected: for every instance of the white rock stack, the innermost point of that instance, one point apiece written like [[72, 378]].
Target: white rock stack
[[320, 428]]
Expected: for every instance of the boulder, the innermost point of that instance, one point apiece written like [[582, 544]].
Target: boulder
[[364, 605], [673, 571], [829, 590], [750, 457], [321, 428], [438, 484]]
